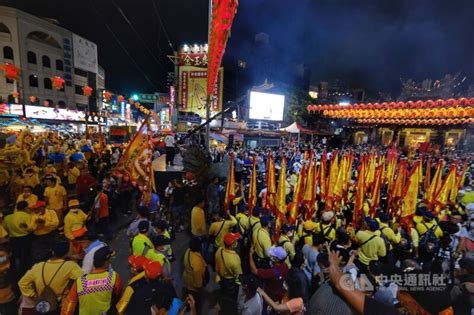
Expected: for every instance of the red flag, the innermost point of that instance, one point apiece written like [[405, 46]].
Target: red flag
[[376, 190], [295, 203], [309, 196], [359, 193], [397, 189], [435, 185], [332, 178], [449, 182], [322, 176], [280, 202]]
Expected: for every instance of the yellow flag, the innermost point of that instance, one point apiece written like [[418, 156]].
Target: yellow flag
[[332, 178], [137, 158], [435, 185], [360, 193], [309, 196], [410, 194], [230, 188], [295, 203], [271, 184], [280, 203], [449, 182], [252, 202], [322, 176]]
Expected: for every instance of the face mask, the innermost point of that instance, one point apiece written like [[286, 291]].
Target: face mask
[[3, 259], [26, 194], [290, 235], [74, 210]]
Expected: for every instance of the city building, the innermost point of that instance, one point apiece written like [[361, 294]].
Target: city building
[[42, 49], [337, 92]]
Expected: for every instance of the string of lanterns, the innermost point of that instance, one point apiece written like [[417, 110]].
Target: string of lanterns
[[144, 110], [451, 111]]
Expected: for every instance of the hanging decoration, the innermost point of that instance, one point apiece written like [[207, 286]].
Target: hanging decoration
[[33, 99], [444, 112], [147, 112], [58, 83], [11, 72], [15, 94], [223, 12], [120, 98], [87, 90], [107, 96]]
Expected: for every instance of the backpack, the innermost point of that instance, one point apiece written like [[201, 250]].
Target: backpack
[[385, 239], [323, 234], [48, 300], [406, 243], [299, 245], [429, 243]]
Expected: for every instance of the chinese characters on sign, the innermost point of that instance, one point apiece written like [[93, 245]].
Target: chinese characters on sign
[[191, 59], [96, 119], [405, 282]]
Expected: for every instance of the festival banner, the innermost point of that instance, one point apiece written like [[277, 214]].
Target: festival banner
[[298, 190], [449, 182], [192, 90], [309, 196], [271, 184], [360, 193], [435, 185], [410, 195], [137, 158], [322, 176]]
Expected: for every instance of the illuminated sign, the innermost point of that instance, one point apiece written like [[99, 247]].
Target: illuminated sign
[[11, 110], [52, 113]]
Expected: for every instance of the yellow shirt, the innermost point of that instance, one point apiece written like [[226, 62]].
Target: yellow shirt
[[194, 269], [3, 232], [228, 264], [423, 227], [219, 233], [198, 222], [262, 242], [31, 199], [392, 237], [72, 175], [372, 249], [286, 243], [254, 223], [467, 198], [13, 221], [73, 221], [328, 230], [242, 221], [55, 197], [128, 293], [50, 224], [32, 282], [138, 244], [32, 180]]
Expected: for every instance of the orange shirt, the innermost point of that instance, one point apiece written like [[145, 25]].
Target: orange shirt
[[102, 206]]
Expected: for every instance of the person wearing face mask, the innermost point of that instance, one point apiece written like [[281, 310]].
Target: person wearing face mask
[[46, 222], [158, 253], [27, 196], [89, 242], [74, 218], [286, 241]]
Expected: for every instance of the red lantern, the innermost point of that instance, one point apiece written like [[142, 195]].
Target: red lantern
[[33, 99], [471, 102], [16, 94], [87, 90], [309, 108], [402, 105], [419, 104], [120, 98], [370, 106], [11, 71], [46, 103], [452, 102], [107, 96], [131, 101], [410, 104], [58, 83], [377, 106], [363, 106]]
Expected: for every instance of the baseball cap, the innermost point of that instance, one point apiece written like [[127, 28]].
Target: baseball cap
[[152, 269], [73, 203], [374, 225], [230, 238], [102, 255], [160, 240], [327, 215], [429, 215], [285, 228], [384, 217], [309, 225], [143, 226], [38, 204], [278, 252], [264, 220], [137, 262]]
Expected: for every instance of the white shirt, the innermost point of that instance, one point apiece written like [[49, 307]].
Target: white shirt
[[88, 261], [169, 141], [250, 307]]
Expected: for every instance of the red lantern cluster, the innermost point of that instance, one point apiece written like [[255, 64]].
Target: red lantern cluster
[[11, 71], [461, 102], [87, 90], [107, 96], [120, 98], [58, 83], [146, 111], [437, 121]]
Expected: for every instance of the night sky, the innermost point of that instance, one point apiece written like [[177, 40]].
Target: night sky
[[367, 43]]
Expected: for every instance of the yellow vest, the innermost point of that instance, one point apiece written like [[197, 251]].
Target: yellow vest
[[95, 292]]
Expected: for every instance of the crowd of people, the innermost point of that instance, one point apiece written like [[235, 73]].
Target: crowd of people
[[56, 255]]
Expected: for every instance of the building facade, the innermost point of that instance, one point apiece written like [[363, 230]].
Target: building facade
[[42, 49]]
